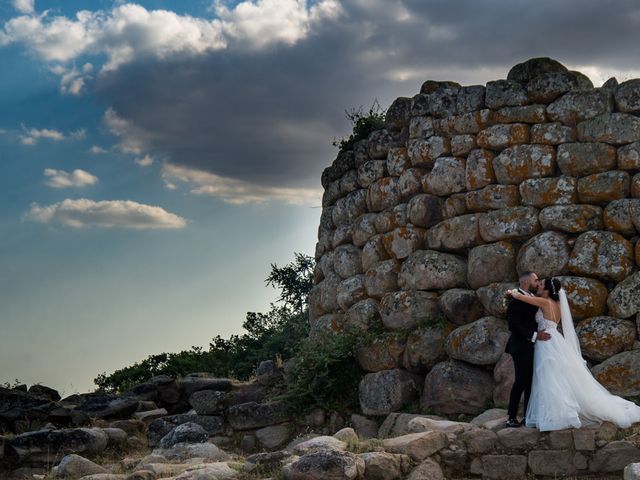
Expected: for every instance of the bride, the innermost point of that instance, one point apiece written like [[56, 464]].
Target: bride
[[564, 393]]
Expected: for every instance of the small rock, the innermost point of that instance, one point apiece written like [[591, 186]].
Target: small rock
[[76, 466], [417, 445], [185, 433]]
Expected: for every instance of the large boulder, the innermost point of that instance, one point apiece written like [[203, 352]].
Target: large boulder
[[432, 270], [547, 254], [423, 153], [424, 210], [350, 207], [576, 106], [391, 218], [45, 446], [521, 162], [410, 182], [384, 352], [493, 297], [327, 465], [479, 169], [405, 309], [580, 159], [620, 215], [373, 252], [457, 387], [613, 128], [75, 466], [188, 432], [397, 161], [602, 337], [602, 188], [587, 297], [534, 68], [347, 261], [571, 218], [554, 133], [492, 197], [350, 291], [498, 137], [398, 114], [207, 402], [627, 96], [382, 194], [624, 299], [403, 241], [388, 391], [379, 143], [425, 347], [446, 177], [548, 86], [385, 466], [629, 157], [620, 374], [250, 415], [454, 233], [543, 192], [509, 223], [480, 343], [494, 262], [382, 278], [158, 428], [460, 306], [605, 255], [442, 101], [470, 99], [368, 173], [363, 316], [505, 93], [615, 456], [417, 445]]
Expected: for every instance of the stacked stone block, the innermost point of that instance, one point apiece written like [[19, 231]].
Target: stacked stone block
[[465, 188]]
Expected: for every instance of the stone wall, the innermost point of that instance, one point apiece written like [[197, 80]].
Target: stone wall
[[437, 214]]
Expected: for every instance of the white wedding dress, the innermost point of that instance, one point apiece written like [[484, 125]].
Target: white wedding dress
[[564, 393]]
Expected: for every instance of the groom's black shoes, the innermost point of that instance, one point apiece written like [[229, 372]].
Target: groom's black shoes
[[513, 423]]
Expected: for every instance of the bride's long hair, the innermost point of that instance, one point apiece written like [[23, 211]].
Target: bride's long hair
[[552, 285]]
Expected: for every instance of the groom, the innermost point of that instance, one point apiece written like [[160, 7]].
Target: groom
[[524, 334]]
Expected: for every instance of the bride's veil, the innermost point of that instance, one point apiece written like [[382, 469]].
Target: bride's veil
[[568, 330]]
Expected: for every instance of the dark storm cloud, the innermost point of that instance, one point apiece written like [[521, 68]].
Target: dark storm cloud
[[268, 117]]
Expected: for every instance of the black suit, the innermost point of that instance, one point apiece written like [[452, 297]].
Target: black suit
[[522, 323]]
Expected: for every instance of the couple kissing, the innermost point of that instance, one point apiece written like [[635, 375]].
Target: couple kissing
[[559, 389]]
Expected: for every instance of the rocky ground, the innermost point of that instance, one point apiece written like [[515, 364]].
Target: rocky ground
[[201, 428]]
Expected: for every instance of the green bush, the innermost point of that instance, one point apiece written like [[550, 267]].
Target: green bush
[[363, 124], [325, 373]]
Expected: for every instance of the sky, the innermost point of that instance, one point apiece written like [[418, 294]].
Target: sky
[[156, 157]]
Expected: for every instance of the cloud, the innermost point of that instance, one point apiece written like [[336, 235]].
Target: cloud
[[73, 80], [79, 213], [145, 161], [24, 6], [263, 23], [97, 150], [62, 179], [255, 92], [130, 32], [31, 136], [133, 139], [237, 192]]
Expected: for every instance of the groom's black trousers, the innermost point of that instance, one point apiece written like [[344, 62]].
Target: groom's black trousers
[[523, 363]]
